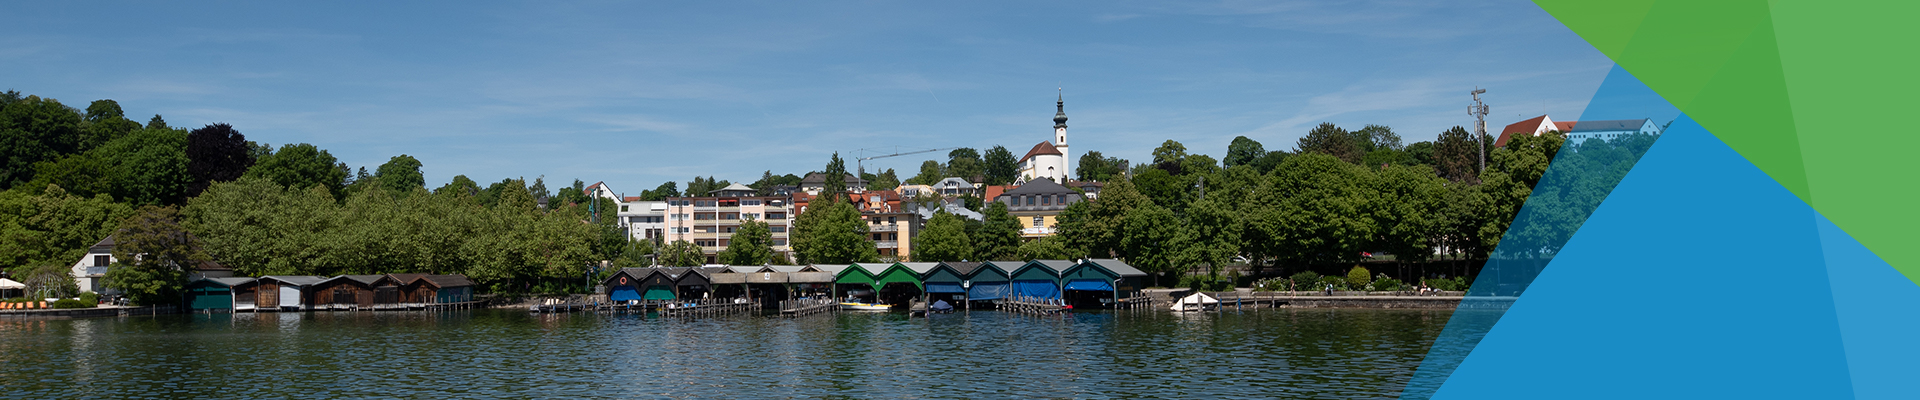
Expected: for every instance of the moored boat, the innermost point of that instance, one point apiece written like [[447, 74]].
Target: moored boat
[[859, 306]]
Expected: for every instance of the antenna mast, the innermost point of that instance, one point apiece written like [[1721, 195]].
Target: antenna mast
[[1479, 113]]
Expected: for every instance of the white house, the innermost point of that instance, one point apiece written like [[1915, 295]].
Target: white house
[[644, 220], [1611, 129], [92, 267], [1049, 159], [952, 187]]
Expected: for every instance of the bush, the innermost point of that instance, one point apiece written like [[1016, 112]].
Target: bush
[[1453, 284], [70, 303], [1206, 283], [1305, 280], [1385, 284], [1359, 277], [90, 298], [1338, 283]]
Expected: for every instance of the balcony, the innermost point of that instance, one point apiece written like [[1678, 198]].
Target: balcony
[[886, 244], [1037, 231], [883, 228]]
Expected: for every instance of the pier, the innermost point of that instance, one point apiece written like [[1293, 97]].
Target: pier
[[802, 307]]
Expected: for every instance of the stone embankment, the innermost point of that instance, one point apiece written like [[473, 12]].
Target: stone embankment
[[1247, 298]]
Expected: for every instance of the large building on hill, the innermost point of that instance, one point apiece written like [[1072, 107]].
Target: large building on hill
[[710, 221], [1049, 158], [1036, 204]]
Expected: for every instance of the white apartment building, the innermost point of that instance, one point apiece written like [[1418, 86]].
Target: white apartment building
[[710, 222], [644, 220]]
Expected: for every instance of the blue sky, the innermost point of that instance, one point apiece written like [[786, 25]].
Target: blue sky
[[636, 94]]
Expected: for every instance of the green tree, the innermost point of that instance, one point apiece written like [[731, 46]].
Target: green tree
[[401, 175], [965, 163], [1271, 160], [665, 190], [303, 166], [1312, 211], [1331, 140], [216, 153], [1166, 190], [930, 172], [1001, 167], [682, 253], [1151, 242], [1046, 248], [831, 231], [835, 181], [460, 185], [1456, 157], [53, 226], [1406, 211], [155, 254], [1377, 137], [1243, 151], [104, 122], [999, 236], [33, 130], [884, 181], [752, 244], [943, 239], [1169, 151]]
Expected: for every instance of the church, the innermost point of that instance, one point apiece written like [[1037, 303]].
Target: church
[[1049, 159]]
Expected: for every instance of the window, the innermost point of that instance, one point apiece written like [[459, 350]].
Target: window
[[635, 220], [1046, 200], [1029, 200], [891, 221], [102, 261], [777, 228], [750, 202], [623, 208], [779, 242], [752, 216], [776, 215], [704, 203]]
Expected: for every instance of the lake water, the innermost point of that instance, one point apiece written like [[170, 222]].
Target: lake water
[[1275, 353]]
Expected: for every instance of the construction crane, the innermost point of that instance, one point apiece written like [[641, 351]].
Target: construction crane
[[861, 167]]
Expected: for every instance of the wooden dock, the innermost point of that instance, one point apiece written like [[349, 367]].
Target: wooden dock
[[1033, 305], [802, 307], [708, 308]]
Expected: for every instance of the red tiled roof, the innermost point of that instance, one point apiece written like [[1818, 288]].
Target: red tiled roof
[[1043, 148], [1527, 127], [1564, 126], [631, 198], [994, 192]]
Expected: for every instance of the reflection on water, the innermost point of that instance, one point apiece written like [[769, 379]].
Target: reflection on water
[[1307, 353]]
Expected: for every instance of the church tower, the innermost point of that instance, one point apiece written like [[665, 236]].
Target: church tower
[[1060, 136]]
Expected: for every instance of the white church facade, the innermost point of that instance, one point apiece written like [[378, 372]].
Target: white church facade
[[1049, 159]]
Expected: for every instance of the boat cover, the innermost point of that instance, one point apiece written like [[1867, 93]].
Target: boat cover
[[987, 291], [945, 287], [1090, 284], [1036, 288]]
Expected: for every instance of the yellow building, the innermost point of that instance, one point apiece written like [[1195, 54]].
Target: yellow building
[[1037, 204]]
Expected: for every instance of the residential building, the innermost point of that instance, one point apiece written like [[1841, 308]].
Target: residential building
[[914, 191], [1532, 126], [1036, 204], [956, 187], [814, 182], [710, 221], [90, 271], [644, 220], [1049, 158], [1611, 129], [600, 189], [1091, 189], [92, 268]]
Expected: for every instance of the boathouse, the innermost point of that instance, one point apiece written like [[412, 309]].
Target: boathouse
[[216, 294], [988, 281], [286, 292], [899, 284], [1038, 279], [692, 283], [731, 281], [855, 281], [948, 281], [809, 280], [345, 292], [640, 284], [425, 289], [1098, 283]]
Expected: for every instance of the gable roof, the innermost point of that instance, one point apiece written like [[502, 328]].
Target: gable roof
[[821, 177], [228, 282], [1530, 126], [732, 188], [448, 281], [1117, 266], [295, 280], [963, 268], [1039, 186], [1611, 125], [1564, 126], [406, 279], [1044, 148]]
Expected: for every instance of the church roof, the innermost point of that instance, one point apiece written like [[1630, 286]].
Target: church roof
[[1044, 148]]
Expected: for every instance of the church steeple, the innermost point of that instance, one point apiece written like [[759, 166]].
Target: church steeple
[[1060, 112]]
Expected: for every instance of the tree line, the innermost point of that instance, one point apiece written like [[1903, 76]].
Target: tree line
[[188, 197]]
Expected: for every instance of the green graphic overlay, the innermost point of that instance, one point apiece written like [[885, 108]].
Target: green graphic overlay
[[1812, 93]]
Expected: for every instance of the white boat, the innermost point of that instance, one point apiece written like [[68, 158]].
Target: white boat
[[858, 306], [1196, 302]]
